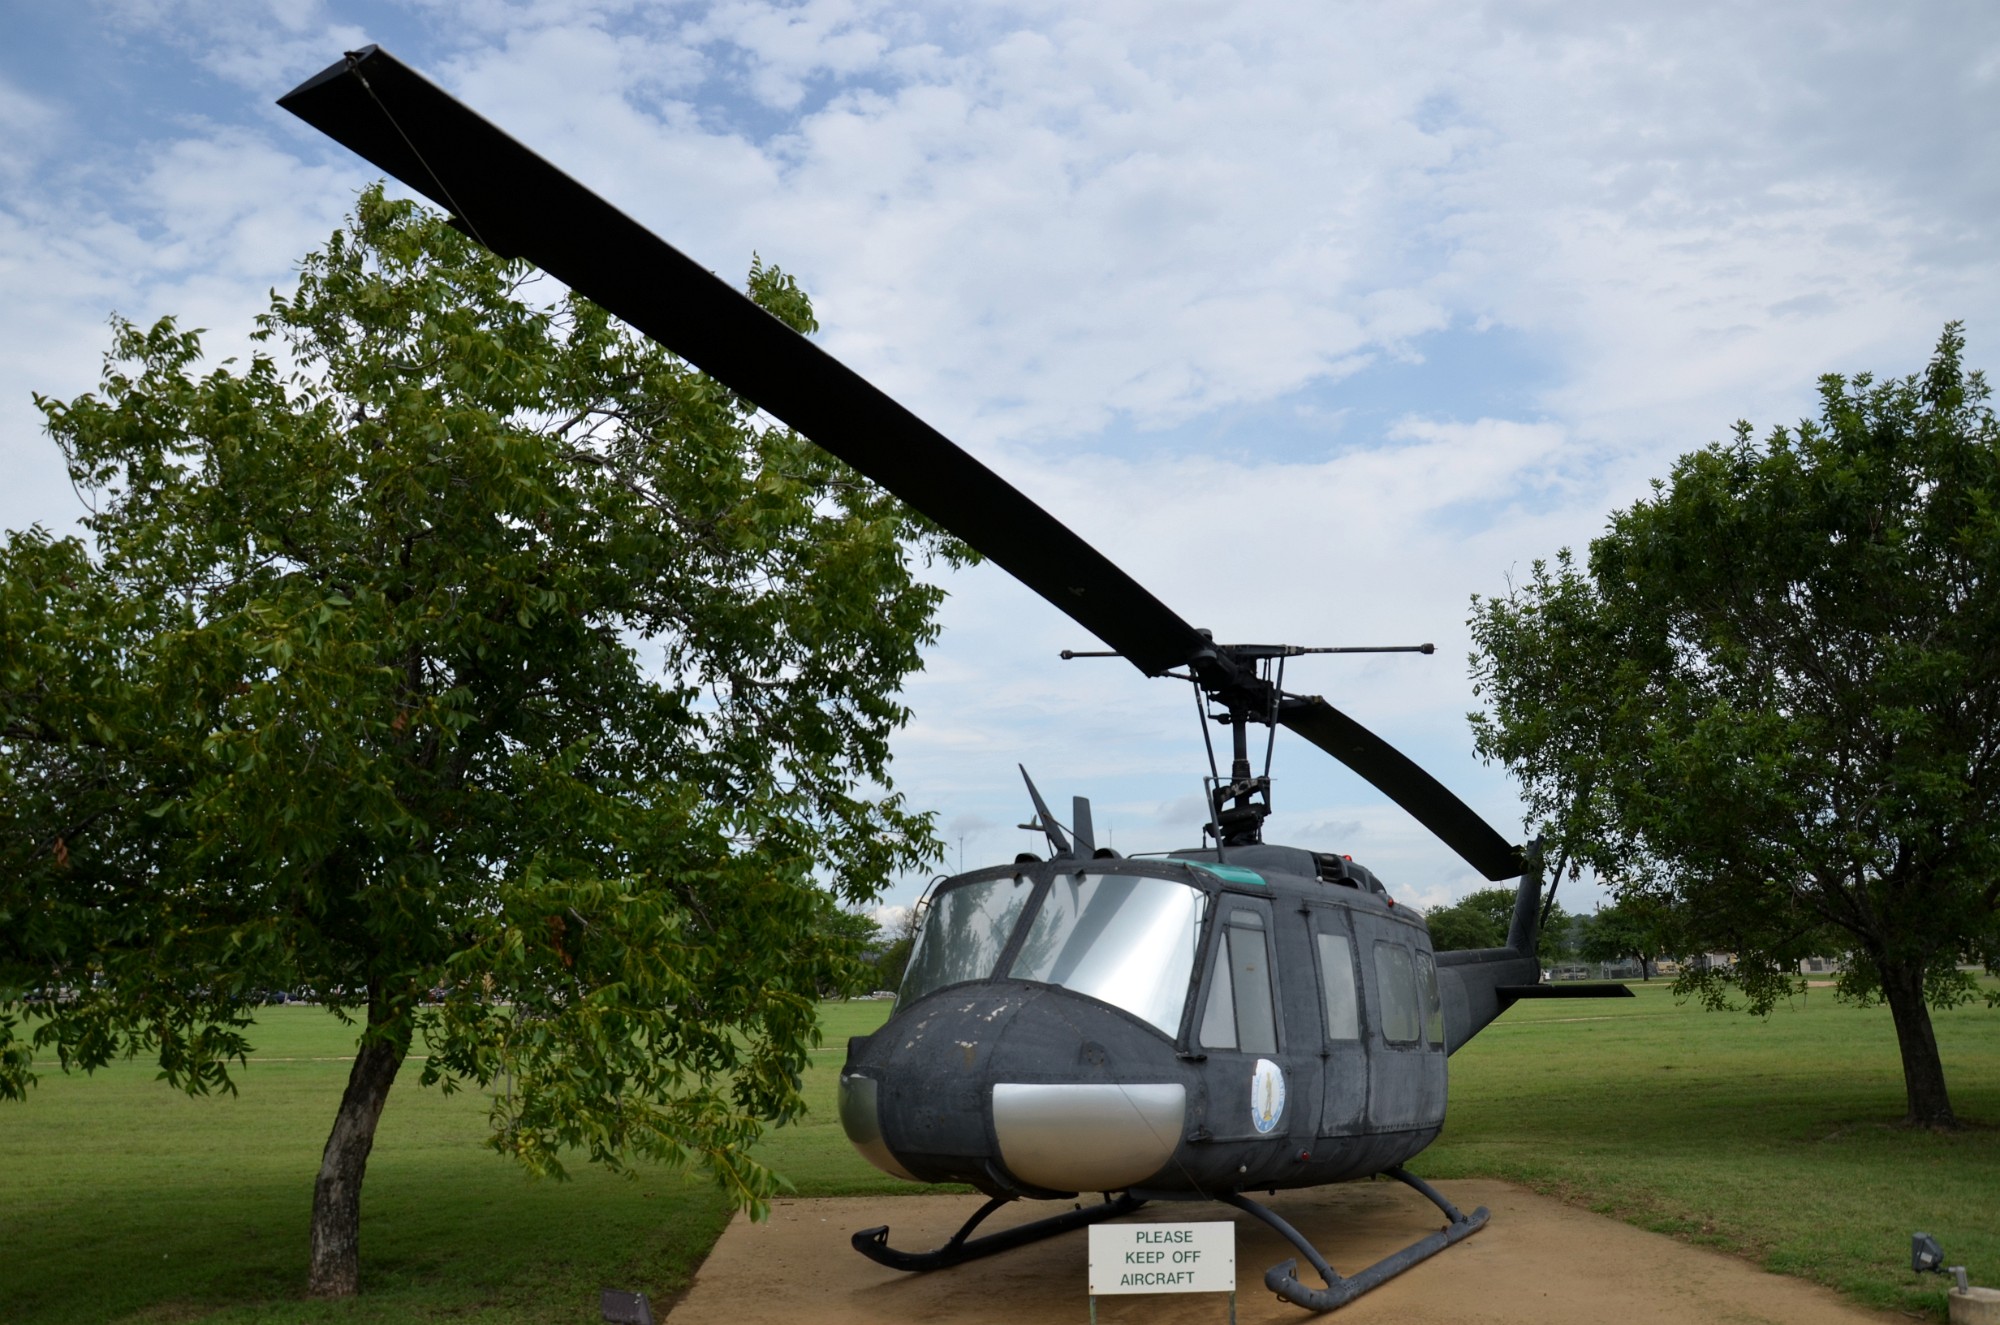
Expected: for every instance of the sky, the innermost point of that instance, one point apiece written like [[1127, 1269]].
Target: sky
[[1320, 319]]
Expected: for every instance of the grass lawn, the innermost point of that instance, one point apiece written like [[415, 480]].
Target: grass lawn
[[127, 1202], [1773, 1138]]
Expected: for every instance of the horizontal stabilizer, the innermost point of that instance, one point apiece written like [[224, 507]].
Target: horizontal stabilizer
[[1509, 993]]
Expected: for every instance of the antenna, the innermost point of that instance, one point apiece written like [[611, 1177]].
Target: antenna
[[1046, 822]]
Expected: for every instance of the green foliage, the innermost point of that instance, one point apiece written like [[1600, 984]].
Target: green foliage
[[1633, 927], [1637, 927], [465, 659], [895, 958], [894, 961], [1462, 926], [856, 940], [1480, 919], [1771, 699]]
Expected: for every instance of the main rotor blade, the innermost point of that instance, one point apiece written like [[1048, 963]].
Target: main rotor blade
[[1456, 824], [519, 205]]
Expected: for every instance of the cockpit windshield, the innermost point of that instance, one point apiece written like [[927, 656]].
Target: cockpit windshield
[[964, 934], [1126, 940]]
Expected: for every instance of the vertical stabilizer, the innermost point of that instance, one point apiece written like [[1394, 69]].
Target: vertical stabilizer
[[1478, 984], [1525, 934], [1080, 826]]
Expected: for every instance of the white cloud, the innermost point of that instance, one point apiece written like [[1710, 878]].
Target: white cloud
[[1050, 228], [787, 45], [200, 228], [255, 44], [27, 125], [891, 919]]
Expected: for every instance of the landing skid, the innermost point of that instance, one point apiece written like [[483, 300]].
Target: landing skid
[[1338, 1292], [874, 1242], [1280, 1279]]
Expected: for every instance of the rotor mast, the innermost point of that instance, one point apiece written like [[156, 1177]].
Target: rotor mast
[[1247, 682]]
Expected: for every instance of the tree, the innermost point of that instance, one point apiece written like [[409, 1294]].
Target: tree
[[857, 940], [459, 643], [895, 958], [1773, 700], [1635, 927], [1460, 927], [1481, 918]]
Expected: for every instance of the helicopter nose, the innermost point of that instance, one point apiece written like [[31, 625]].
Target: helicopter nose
[[1015, 1089], [861, 1119]]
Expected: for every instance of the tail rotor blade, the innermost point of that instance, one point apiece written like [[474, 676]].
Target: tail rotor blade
[[1456, 824]]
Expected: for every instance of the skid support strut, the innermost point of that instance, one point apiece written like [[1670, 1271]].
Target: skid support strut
[[874, 1242], [1282, 1280]]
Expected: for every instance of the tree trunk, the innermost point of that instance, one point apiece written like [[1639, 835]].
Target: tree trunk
[[1923, 1070], [336, 1215]]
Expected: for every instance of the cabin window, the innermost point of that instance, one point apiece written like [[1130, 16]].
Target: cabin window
[[1126, 940], [1336, 972], [1240, 1013], [1427, 986], [1218, 1020], [964, 933], [1396, 979]]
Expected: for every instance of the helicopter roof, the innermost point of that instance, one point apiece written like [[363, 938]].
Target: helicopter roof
[[1269, 857], [1262, 868]]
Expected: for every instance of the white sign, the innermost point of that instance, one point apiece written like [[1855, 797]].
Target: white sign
[[1162, 1258]]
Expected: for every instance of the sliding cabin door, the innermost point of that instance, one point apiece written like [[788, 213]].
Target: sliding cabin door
[[1406, 1072], [1343, 1050]]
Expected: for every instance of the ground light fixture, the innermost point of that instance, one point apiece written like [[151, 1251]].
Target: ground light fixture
[[1926, 1257], [619, 1307]]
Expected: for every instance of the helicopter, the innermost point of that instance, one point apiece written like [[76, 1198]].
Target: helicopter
[[1238, 1016]]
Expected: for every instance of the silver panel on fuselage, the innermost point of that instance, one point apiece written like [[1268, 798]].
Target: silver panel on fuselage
[[1087, 1137], [863, 1125]]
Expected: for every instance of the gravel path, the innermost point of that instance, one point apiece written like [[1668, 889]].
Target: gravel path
[[1538, 1261]]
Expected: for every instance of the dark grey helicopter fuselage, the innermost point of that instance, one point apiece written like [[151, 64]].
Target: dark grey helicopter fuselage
[[1168, 1027]]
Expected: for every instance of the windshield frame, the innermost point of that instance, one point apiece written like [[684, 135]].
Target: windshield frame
[[1037, 885], [1042, 874]]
